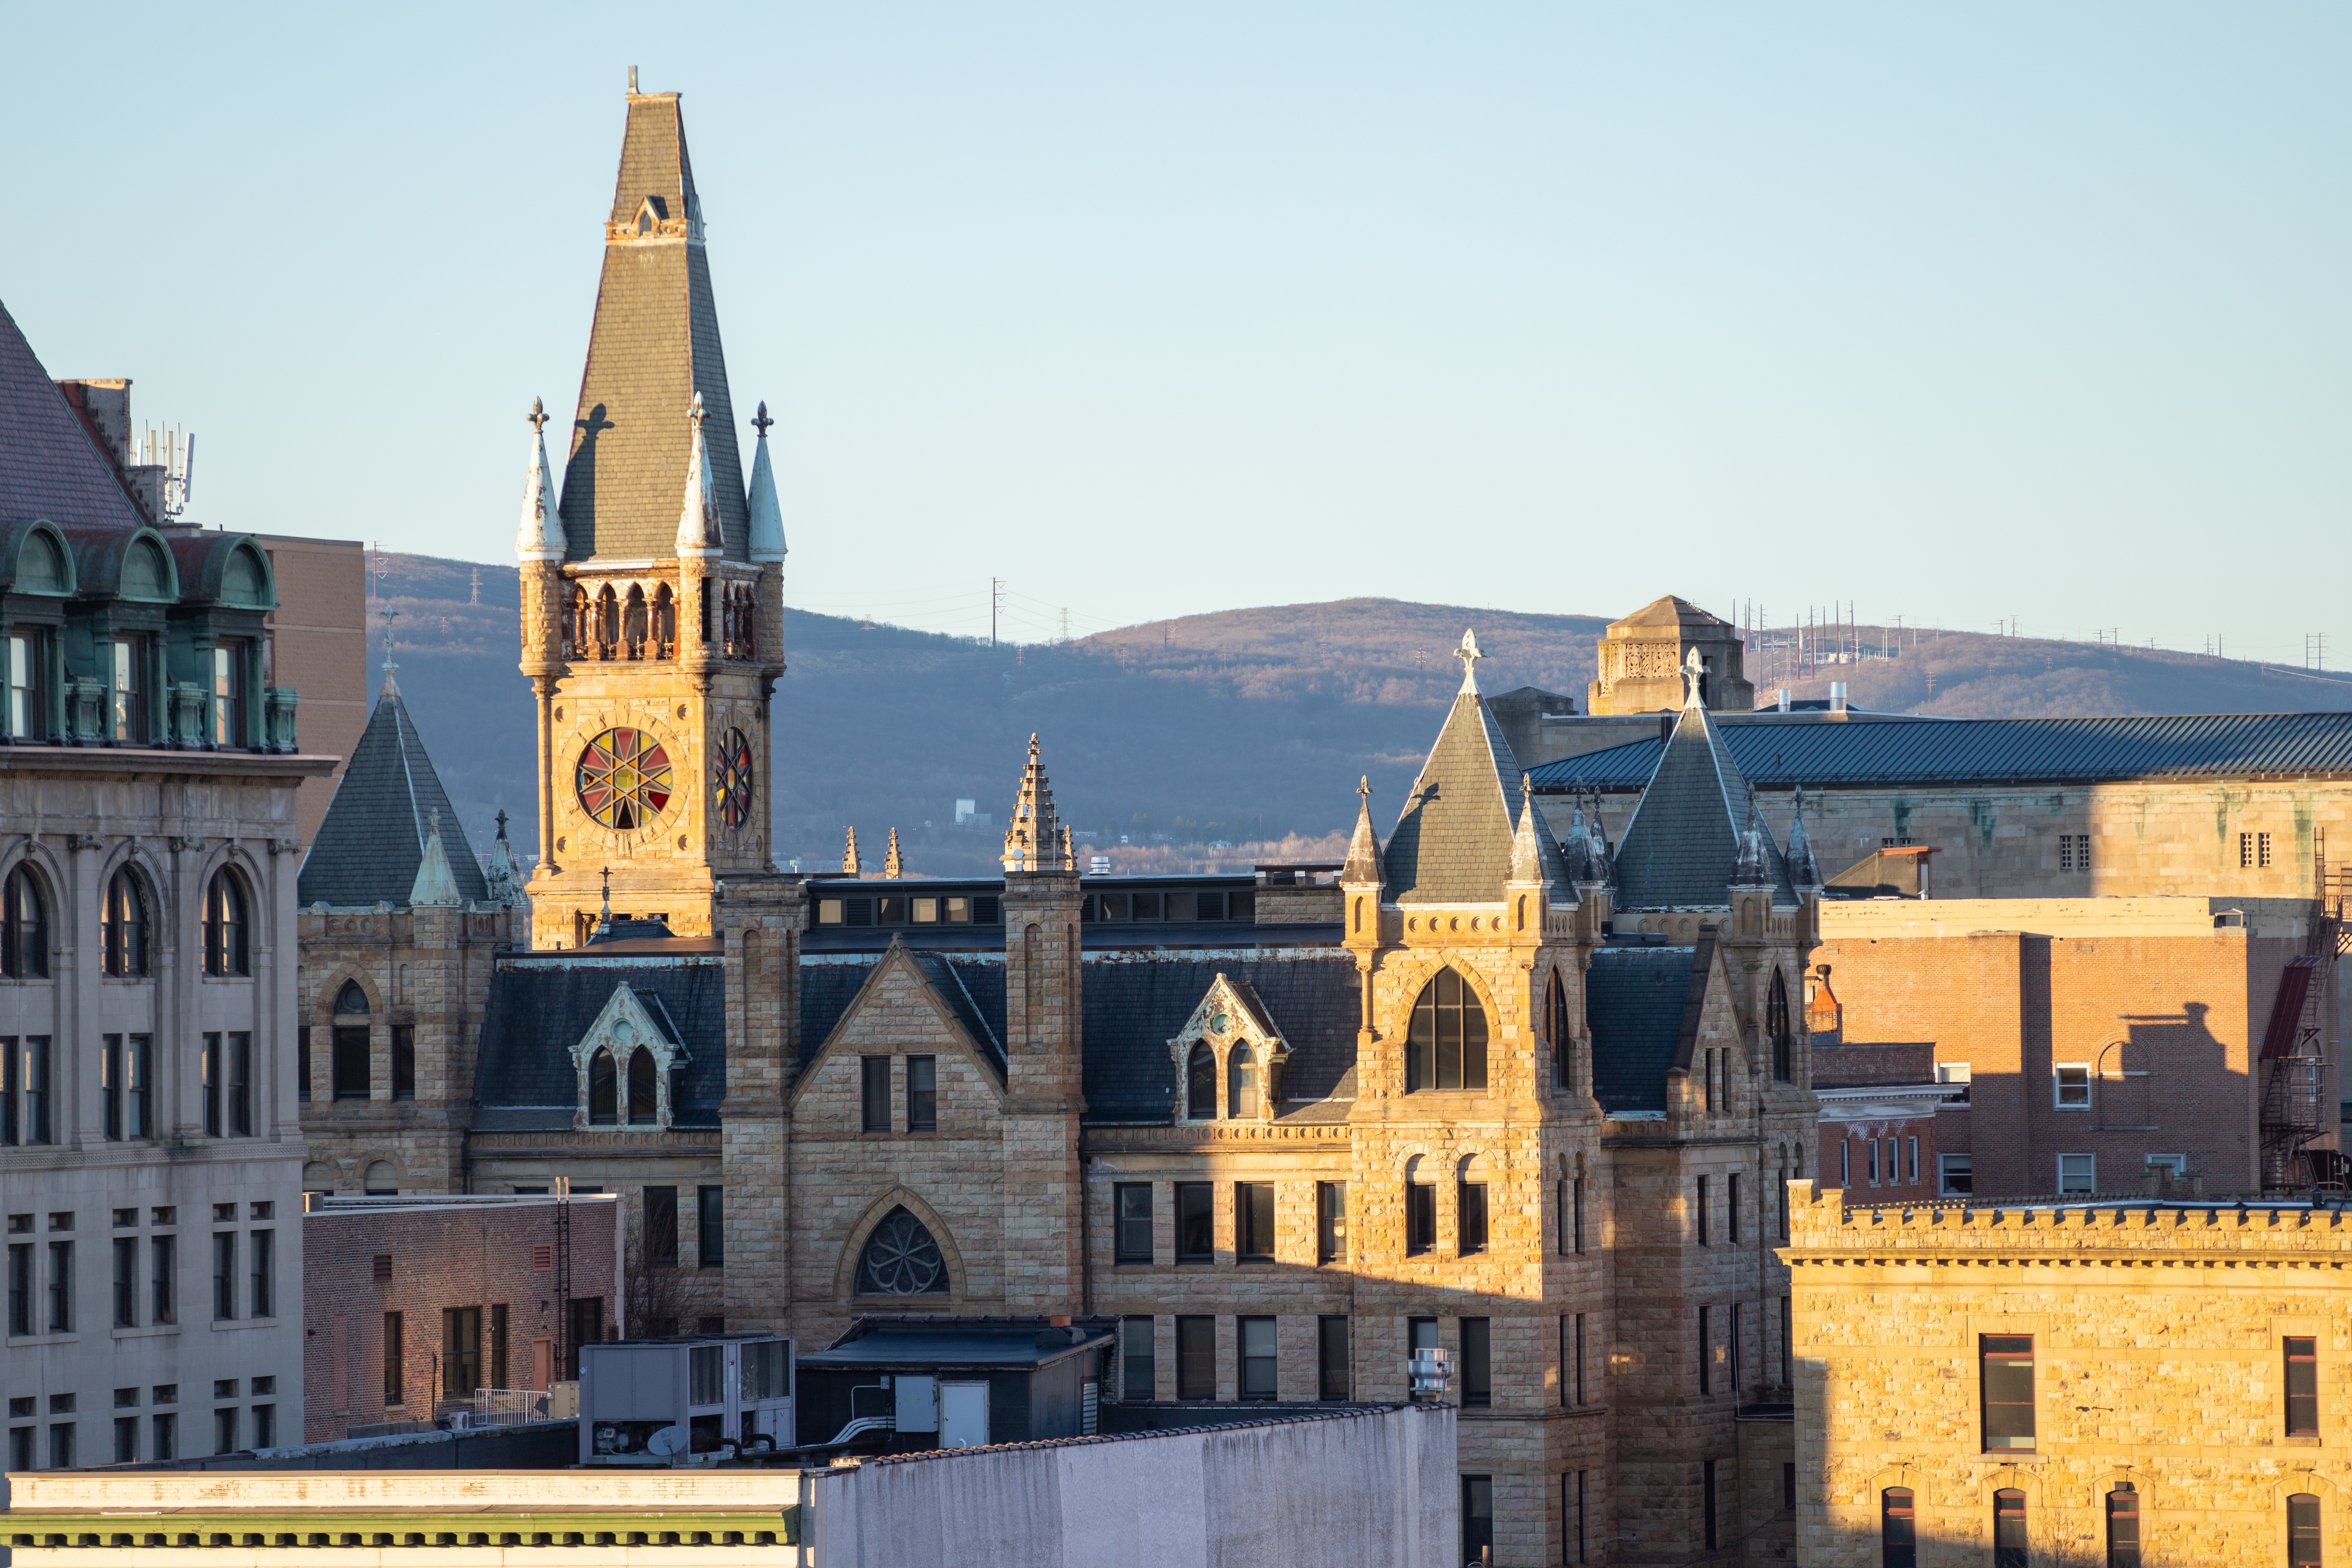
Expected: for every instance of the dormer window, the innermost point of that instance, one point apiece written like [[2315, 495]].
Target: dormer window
[[631, 1063], [651, 213]]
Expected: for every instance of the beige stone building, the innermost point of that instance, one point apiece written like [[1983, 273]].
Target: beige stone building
[[2084, 1384], [149, 1153]]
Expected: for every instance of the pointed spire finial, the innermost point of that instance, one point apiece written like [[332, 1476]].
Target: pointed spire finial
[[1469, 653], [502, 822], [1693, 679], [540, 535], [1528, 861], [697, 520], [849, 862], [1036, 840], [537, 418], [767, 514], [760, 421], [604, 920], [892, 865], [1364, 866], [632, 81]]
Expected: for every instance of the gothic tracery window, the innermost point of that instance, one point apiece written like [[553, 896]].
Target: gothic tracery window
[[731, 778], [1241, 1083], [1559, 1031], [624, 779], [643, 1098], [1445, 1047], [126, 924], [604, 1091], [24, 926], [1201, 1083], [226, 927], [1775, 1025], [901, 1260]]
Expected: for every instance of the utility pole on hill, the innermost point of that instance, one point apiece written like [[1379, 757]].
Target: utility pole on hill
[[995, 603]]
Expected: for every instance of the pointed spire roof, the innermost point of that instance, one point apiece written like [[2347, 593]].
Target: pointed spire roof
[[850, 866], [1804, 870], [49, 465], [1576, 848], [698, 516], [434, 884], [504, 887], [1453, 839], [540, 535], [1036, 840], [1363, 865], [892, 865], [654, 347], [1534, 854], [1682, 849], [371, 843], [767, 516]]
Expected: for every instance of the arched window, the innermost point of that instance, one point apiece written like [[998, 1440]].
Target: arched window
[[643, 1100], [1241, 1082], [901, 1260], [381, 1180], [24, 926], [351, 1001], [1201, 1083], [228, 949], [633, 622], [575, 623], [2302, 1530], [665, 623], [2009, 1529], [1420, 1208], [608, 621], [1775, 1025], [1561, 1032], [603, 1098], [1446, 1047], [1898, 1531], [2122, 1527], [125, 924]]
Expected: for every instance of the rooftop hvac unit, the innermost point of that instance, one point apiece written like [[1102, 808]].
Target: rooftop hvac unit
[[688, 1401]]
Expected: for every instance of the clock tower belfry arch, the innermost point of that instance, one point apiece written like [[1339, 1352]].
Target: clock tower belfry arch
[[652, 592]]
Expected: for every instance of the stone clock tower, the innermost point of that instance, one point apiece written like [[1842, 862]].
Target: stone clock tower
[[652, 595]]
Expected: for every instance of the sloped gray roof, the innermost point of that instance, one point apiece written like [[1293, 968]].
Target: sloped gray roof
[[655, 344], [1453, 839], [373, 838], [1634, 1002], [48, 465], [1680, 849], [537, 1012]]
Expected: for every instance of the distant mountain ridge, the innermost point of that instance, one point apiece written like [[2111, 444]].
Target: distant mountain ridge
[[1206, 740]]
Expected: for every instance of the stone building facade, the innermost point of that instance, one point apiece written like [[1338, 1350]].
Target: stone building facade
[[2066, 1381], [150, 1153]]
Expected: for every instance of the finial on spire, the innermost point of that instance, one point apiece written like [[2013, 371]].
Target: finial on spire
[[1469, 654], [849, 862], [632, 81], [391, 614], [1035, 841], [540, 535], [537, 417], [1364, 866], [767, 515], [1695, 680], [892, 865], [761, 422], [604, 920], [1364, 790], [698, 531], [502, 823]]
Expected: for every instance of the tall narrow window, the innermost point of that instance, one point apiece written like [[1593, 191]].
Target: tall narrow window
[[240, 1084], [61, 1288], [710, 1228], [1777, 1025], [461, 1351], [2009, 1529], [212, 1069], [228, 950], [1576, 1196], [24, 926], [604, 1084], [126, 1281], [645, 1095], [263, 1251], [1330, 1222], [1446, 1046], [1196, 1225], [228, 693], [138, 1104], [1470, 1218], [110, 1085], [351, 1070], [1201, 1084], [875, 1084], [1420, 1215], [922, 1094], [28, 685], [403, 1061], [1898, 1529], [1335, 1359], [302, 1064], [163, 1273], [1477, 1517], [125, 929], [1560, 1033], [2006, 1378], [1477, 1364], [1131, 1222], [131, 690], [33, 1074], [2122, 1527], [2302, 1529], [1241, 1083], [1257, 1338], [223, 1276], [1579, 1349], [9, 1070], [660, 1236], [1706, 1350], [1703, 1205], [20, 1289], [1253, 1221], [2302, 1387], [1139, 1369], [1196, 1358]]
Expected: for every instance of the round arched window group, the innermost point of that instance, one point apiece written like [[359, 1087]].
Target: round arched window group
[[126, 921], [1201, 1082], [612, 1102]]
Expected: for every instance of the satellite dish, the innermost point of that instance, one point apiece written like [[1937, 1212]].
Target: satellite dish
[[666, 1441]]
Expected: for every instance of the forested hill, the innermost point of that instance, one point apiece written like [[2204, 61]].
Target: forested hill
[[1209, 741]]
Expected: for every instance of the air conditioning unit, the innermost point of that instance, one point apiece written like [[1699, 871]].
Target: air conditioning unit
[[688, 1401]]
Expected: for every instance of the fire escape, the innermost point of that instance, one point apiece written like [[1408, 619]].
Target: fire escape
[[2293, 1062]]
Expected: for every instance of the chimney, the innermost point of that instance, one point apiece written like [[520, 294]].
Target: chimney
[[1784, 700], [1837, 696]]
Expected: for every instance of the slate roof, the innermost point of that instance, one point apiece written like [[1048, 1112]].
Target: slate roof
[[1680, 848], [1776, 755], [1453, 839], [372, 838], [538, 1011], [1634, 1001], [654, 345], [974, 992], [48, 465]]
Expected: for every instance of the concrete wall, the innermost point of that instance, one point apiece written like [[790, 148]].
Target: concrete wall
[[1362, 1489]]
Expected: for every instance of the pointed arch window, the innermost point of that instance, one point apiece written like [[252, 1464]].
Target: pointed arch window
[[665, 623], [227, 933], [604, 1091], [126, 924], [1241, 1082], [23, 925], [1775, 1025], [901, 1260], [1446, 1045], [645, 1098], [1562, 1033], [1201, 1083], [633, 622]]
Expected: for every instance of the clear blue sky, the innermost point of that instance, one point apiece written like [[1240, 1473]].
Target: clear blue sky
[[1958, 312]]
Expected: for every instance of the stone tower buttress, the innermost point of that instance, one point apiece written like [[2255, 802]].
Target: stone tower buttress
[[1044, 1269]]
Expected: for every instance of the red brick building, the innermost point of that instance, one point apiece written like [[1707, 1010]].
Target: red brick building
[[409, 1302]]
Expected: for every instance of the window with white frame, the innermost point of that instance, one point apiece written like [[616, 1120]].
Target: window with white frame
[[2071, 1086], [2077, 1174], [1913, 1151], [1955, 1175], [2172, 1166]]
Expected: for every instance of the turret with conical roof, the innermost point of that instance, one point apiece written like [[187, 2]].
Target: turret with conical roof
[[389, 814], [1683, 849], [1035, 841]]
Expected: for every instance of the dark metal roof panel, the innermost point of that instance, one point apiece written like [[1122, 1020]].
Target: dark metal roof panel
[[1635, 1000]]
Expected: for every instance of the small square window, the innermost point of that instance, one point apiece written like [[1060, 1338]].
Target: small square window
[[2077, 1174], [223, 1211], [1955, 1175], [2071, 1087], [166, 1216], [125, 1219]]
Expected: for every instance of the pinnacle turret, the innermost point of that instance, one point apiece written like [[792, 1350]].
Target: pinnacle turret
[[1363, 868], [849, 863], [1534, 858], [892, 865], [767, 516], [1036, 840], [698, 531], [1804, 871], [540, 535]]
